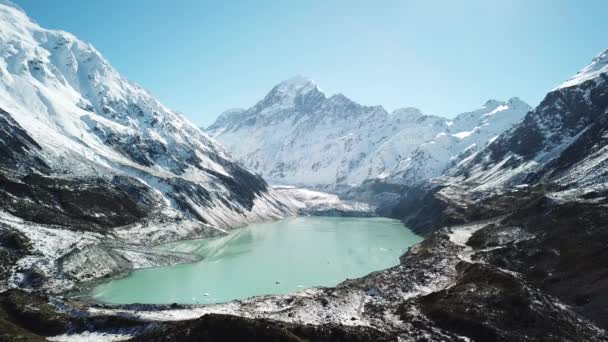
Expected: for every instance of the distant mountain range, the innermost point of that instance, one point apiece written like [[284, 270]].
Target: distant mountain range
[[298, 135]]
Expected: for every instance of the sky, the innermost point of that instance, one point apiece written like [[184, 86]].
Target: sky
[[444, 57]]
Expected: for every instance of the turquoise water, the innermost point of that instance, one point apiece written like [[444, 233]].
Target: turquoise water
[[267, 258]]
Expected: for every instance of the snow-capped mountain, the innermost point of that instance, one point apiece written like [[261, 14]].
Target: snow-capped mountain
[[466, 133], [562, 141], [298, 135], [559, 150], [84, 147]]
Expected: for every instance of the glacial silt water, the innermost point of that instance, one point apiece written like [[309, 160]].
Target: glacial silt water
[[267, 258]]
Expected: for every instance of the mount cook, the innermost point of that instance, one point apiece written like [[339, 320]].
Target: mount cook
[[297, 135]]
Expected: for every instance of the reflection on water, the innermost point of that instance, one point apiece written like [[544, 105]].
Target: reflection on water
[[267, 258]]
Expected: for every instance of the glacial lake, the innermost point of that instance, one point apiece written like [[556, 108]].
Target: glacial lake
[[267, 258]]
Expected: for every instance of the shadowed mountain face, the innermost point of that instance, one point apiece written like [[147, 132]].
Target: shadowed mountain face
[[298, 135], [563, 140], [16, 147]]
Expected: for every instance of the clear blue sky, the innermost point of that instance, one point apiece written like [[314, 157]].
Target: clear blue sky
[[444, 57]]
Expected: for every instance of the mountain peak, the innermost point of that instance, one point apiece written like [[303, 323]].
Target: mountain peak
[[515, 99], [516, 102], [296, 84], [285, 94], [492, 102]]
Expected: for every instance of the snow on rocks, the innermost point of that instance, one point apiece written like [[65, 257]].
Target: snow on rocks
[[89, 336], [467, 133], [66, 257], [561, 141], [48, 244], [461, 234]]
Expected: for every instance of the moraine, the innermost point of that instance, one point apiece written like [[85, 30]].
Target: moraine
[[267, 258]]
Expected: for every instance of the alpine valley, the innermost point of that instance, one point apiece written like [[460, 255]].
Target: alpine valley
[[512, 202]]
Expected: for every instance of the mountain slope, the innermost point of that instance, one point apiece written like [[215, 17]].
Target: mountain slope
[[466, 133], [298, 135], [559, 148], [562, 141], [82, 146]]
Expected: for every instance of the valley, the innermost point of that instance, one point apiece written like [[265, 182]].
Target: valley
[[306, 217]]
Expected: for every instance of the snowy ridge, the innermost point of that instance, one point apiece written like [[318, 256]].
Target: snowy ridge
[[298, 135], [598, 66], [562, 141], [466, 133], [92, 123]]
